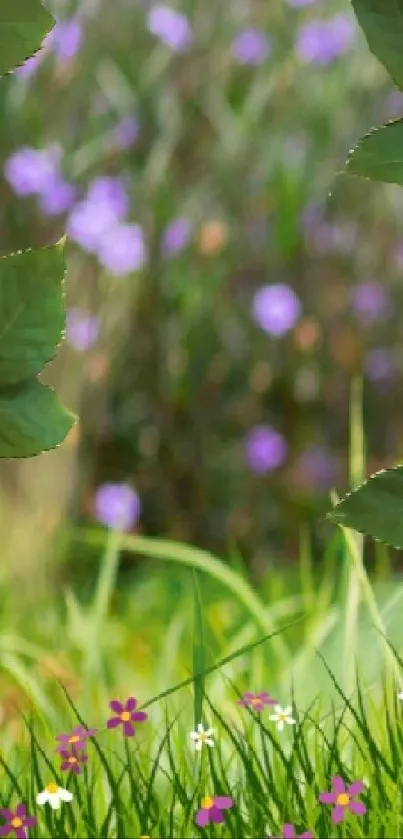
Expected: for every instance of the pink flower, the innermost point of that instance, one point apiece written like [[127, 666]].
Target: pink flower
[[342, 799], [257, 701], [211, 810], [71, 760], [16, 822], [288, 832], [125, 715], [76, 738]]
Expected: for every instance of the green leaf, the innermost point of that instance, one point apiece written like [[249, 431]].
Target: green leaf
[[23, 26], [382, 23], [379, 155], [32, 420], [31, 311], [375, 508]]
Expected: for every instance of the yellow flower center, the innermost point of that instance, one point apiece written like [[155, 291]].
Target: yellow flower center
[[74, 738], [72, 759], [343, 799], [207, 803], [52, 788], [16, 822], [125, 716], [283, 717], [256, 700]]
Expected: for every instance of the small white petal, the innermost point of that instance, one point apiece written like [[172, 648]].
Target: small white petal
[[291, 721], [209, 742], [400, 695], [54, 801], [65, 795], [200, 728], [278, 709], [280, 725], [287, 711], [199, 746], [210, 732], [273, 717], [194, 735], [42, 797]]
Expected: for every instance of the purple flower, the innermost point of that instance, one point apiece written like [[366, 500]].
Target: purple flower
[[117, 506], [394, 104], [276, 308], [65, 39], [176, 236], [126, 132], [265, 449], [342, 798], [57, 198], [30, 66], [379, 364], [251, 46], [371, 301], [126, 715], [320, 466], [330, 236], [297, 4], [257, 701], [110, 192], [71, 760], [122, 249], [77, 738], [82, 329], [17, 821], [211, 810], [288, 832], [31, 171], [322, 41], [171, 27]]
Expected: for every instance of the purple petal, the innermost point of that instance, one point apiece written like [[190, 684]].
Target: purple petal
[[327, 797], [83, 758], [5, 829], [202, 818], [338, 784], [116, 706], [113, 722], [62, 737], [289, 831], [65, 766], [128, 729], [6, 813], [223, 802], [75, 768], [30, 821], [356, 788], [139, 716], [338, 814], [131, 704], [20, 833], [307, 835], [357, 807], [20, 811], [216, 815]]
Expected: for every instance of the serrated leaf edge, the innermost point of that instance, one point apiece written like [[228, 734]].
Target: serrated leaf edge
[[374, 475]]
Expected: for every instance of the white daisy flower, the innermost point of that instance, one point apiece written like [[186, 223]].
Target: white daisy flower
[[53, 795], [201, 737], [282, 716]]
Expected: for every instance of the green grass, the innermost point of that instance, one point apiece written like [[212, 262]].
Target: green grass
[[207, 646]]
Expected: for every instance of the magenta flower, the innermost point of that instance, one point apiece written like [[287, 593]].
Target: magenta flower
[[211, 810], [17, 822], [72, 760], [126, 715], [257, 701], [265, 449], [342, 799], [288, 832], [77, 738]]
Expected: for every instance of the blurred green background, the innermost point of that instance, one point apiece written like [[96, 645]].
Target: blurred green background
[[226, 284]]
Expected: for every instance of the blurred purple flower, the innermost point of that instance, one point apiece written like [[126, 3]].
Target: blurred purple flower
[[176, 236], [371, 301], [122, 249], [171, 27], [265, 449], [31, 171], [57, 198], [76, 738], [332, 236], [72, 759], [126, 132], [29, 68], [276, 308], [394, 104], [296, 4], [320, 466], [257, 701], [117, 506], [251, 46], [379, 365], [91, 220], [322, 41], [65, 39], [82, 329]]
